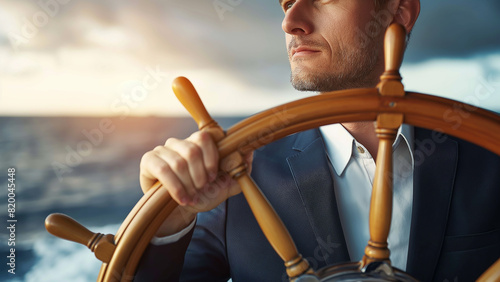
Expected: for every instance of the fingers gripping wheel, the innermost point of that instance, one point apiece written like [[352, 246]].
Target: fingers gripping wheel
[[387, 104], [234, 164]]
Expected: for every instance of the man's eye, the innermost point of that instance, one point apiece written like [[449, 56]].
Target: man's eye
[[287, 5]]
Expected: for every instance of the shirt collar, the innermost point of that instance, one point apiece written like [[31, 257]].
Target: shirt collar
[[339, 143]]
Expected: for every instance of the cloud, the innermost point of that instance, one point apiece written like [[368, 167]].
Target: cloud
[[471, 80], [454, 29], [80, 58], [198, 30]]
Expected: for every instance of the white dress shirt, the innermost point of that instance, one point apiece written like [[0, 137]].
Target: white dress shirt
[[353, 172], [158, 241]]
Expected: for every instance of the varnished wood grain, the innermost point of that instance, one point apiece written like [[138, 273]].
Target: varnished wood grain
[[388, 104]]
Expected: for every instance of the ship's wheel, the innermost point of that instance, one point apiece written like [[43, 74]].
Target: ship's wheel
[[388, 105]]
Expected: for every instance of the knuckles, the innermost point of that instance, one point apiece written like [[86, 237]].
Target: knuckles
[[175, 158], [146, 159], [175, 192], [170, 141], [157, 149], [193, 152], [177, 164], [200, 137]]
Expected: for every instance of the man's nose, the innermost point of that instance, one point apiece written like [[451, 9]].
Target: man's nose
[[297, 20]]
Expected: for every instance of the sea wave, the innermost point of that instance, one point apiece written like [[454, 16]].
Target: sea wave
[[59, 260]]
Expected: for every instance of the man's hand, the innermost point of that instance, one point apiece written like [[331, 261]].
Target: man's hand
[[188, 169]]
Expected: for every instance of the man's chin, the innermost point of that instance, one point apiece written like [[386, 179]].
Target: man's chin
[[314, 84], [305, 88], [330, 82]]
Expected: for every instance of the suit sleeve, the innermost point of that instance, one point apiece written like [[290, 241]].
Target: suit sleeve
[[198, 256]]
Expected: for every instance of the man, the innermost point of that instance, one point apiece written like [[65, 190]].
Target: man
[[319, 180]]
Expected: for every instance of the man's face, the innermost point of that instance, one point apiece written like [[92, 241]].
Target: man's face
[[328, 46]]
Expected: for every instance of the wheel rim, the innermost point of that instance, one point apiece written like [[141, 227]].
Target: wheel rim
[[388, 100]]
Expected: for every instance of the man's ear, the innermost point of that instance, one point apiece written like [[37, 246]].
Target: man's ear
[[407, 13]]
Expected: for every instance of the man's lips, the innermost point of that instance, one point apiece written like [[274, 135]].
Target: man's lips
[[303, 51]]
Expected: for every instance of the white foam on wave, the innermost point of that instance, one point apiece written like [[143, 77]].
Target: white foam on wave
[[61, 260]]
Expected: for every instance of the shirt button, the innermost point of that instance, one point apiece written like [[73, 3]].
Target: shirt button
[[361, 150]]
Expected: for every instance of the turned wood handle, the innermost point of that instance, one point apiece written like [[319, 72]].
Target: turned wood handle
[[273, 228], [394, 47], [387, 126], [63, 226], [269, 221], [395, 41], [187, 95]]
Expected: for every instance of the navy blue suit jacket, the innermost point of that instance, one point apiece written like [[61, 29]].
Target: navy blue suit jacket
[[455, 224]]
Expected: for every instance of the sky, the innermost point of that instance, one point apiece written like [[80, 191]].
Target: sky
[[119, 57]]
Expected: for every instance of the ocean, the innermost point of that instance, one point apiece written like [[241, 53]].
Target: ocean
[[85, 167]]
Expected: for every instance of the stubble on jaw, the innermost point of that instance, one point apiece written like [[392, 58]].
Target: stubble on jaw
[[354, 69]]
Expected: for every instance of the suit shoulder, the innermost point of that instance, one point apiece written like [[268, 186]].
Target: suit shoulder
[[288, 145], [466, 150]]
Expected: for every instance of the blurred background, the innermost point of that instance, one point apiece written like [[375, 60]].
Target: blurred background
[[85, 91]]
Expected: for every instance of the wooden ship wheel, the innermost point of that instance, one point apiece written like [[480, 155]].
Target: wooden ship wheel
[[388, 105]]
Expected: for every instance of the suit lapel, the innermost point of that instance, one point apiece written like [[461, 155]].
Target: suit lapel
[[434, 175], [310, 169]]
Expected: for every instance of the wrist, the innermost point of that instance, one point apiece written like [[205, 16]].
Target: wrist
[[179, 219]]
